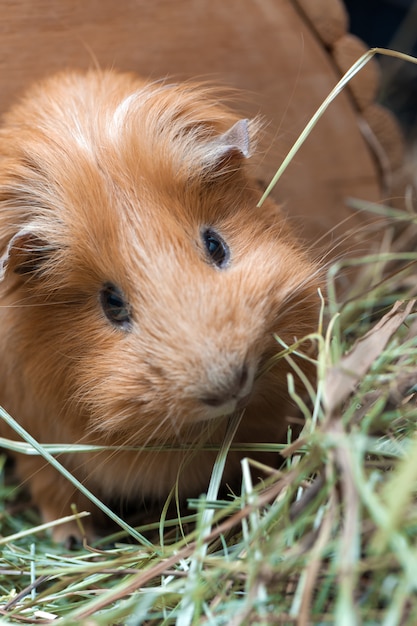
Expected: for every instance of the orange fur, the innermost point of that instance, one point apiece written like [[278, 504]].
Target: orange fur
[[109, 179]]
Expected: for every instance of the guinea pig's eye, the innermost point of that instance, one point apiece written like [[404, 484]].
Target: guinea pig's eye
[[115, 307], [216, 248]]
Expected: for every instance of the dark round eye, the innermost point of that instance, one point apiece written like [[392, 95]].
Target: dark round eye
[[216, 248], [115, 307]]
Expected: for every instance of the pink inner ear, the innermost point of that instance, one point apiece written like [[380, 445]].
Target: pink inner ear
[[233, 145], [237, 138], [23, 253]]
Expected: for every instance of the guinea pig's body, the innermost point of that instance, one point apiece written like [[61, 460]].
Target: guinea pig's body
[[141, 286]]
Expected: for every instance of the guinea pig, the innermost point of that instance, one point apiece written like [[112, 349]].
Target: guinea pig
[[142, 289]]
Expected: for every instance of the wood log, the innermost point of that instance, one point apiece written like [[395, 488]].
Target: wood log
[[269, 50], [364, 86], [328, 18]]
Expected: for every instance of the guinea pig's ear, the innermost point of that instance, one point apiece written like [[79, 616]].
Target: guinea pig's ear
[[229, 149], [24, 254]]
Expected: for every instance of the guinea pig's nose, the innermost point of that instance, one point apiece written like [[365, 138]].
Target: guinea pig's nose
[[233, 389]]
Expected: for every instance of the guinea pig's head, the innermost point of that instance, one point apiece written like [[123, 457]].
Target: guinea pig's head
[[147, 287]]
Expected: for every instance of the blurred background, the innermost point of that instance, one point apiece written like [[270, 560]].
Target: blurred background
[[391, 24]]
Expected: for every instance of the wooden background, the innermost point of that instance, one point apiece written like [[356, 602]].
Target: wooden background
[[267, 48]]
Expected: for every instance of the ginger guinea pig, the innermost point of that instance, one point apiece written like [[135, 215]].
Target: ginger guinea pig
[[141, 287]]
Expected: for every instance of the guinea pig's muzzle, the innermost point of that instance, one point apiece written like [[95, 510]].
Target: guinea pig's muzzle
[[230, 393]]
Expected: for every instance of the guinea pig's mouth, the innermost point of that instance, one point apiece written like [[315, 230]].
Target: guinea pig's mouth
[[225, 409], [231, 394]]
